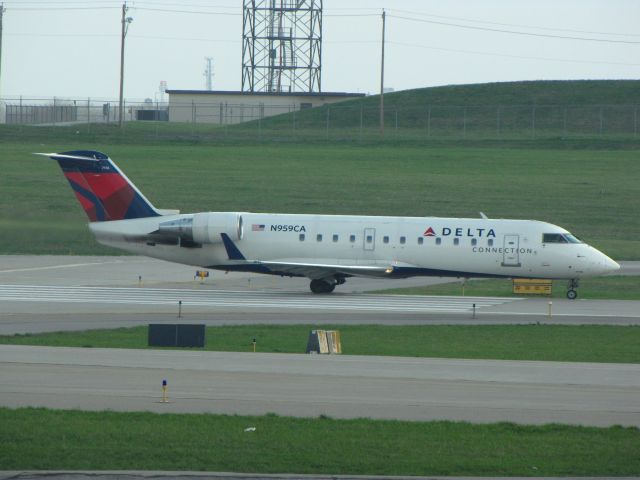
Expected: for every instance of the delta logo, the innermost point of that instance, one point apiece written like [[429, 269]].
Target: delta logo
[[461, 232]]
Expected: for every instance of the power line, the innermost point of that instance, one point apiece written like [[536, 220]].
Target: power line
[[516, 25], [187, 11], [113, 35], [514, 32], [472, 52]]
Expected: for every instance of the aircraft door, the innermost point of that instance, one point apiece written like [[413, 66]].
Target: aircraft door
[[369, 239], [511, 251]]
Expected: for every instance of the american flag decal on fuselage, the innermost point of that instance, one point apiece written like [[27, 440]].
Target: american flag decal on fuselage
[[257, 228]]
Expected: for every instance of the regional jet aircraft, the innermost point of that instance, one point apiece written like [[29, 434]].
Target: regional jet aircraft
[[327, 249]]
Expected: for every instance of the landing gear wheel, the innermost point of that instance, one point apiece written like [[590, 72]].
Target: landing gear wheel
[[573, 284], [321, 286]]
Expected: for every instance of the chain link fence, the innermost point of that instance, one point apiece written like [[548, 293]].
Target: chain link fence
[[60, 111], [347, 122]]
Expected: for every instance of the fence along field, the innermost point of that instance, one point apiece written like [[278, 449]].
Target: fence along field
[[349, 122]]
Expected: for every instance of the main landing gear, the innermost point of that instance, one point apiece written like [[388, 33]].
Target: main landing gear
[[325, 285], [571, 292]]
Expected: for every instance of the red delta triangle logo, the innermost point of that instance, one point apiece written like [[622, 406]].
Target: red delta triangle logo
[[429, 233]]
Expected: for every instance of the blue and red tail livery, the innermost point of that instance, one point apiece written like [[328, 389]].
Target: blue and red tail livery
[[104, 192]]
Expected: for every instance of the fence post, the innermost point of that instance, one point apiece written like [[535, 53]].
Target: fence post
[[533, 122], [396, 124], [498, 123], [328, 116], [54, 110], [88, 113], [601, 118], [464, 123], [193, 118], [564, 123], [429, 122]]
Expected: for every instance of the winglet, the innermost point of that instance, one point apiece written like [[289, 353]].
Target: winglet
[[232, 251]]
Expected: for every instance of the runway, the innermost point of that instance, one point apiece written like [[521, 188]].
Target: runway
[[160, 297], [51, 293], [312, 385], [39, 294]]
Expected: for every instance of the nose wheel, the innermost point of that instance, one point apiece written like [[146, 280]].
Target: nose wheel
[[572, 294]]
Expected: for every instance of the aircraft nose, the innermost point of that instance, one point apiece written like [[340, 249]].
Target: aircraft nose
[[611, 265], [607, 265]]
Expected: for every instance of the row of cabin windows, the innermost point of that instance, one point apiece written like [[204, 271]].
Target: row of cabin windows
[[403, 240]]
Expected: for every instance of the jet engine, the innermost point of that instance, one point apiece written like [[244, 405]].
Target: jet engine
[[204, 228]]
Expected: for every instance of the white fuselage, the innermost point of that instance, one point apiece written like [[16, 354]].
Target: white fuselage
[[409, 246]]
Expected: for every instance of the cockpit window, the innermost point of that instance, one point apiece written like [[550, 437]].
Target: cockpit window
[[572, 238], [553, 238], [559, 238]]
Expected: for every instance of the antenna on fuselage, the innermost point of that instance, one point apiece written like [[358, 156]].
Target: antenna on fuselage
[[482, 215]]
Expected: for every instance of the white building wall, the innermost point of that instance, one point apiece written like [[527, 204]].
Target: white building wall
[[227, 109]]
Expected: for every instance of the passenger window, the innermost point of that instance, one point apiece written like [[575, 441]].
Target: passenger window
[[335, 238], [474, 241], [385, 239], [438, 241], [403, 240], [456, 241], [302, 237], [490, 242], [319, 237], [352, 238], [420, 240]]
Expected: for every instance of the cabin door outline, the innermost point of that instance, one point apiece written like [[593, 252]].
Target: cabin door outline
[[511, 251]]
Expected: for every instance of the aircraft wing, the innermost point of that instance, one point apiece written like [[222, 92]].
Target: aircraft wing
[[319, 271]]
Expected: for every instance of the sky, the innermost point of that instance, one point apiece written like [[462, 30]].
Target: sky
[[71, 49]]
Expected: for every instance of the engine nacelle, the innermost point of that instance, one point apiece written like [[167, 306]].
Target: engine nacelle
[[205, 228]]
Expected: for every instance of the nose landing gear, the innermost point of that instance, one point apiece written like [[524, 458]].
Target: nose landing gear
[[571, 292]]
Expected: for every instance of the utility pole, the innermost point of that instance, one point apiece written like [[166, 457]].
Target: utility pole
[[208, 73], [125, 24], [1, 12], [382, 78]]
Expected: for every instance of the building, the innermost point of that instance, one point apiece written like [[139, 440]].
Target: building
[[226, 108]]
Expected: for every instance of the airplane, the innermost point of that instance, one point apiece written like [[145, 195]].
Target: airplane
[[327, 249]]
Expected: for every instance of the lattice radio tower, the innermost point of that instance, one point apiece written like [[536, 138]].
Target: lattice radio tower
[[282, 46]]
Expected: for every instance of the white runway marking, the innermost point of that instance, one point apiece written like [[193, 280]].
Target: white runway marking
[[53, 267], [245, 299]]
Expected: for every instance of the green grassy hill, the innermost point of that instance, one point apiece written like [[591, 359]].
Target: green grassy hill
[[496, 111]]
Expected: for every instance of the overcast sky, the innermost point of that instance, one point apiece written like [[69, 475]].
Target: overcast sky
[[72, 49]]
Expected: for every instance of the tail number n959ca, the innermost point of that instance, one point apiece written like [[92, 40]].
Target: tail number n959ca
[[288, 228]]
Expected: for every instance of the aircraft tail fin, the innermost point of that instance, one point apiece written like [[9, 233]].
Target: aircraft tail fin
[[104, 192]]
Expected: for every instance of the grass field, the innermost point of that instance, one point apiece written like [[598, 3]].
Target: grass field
[[585, 343], [38, 439], [593, 193], [601, 288]]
